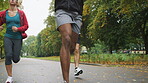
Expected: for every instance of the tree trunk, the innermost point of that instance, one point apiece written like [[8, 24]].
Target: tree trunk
[[145, 36], [146, 47], [110, 49], [1, 55]]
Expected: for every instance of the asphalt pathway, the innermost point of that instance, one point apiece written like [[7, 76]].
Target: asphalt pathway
[[43, 71]]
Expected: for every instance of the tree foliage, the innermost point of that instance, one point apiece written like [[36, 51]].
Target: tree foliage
[[115, 21], [3, 5], [116, 24], [47, 42]]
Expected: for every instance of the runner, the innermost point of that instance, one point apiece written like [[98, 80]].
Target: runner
[[78, 70], [16, 25], [69, 20]]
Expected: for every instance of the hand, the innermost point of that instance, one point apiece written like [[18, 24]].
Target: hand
[[1, 28], [14, 28]]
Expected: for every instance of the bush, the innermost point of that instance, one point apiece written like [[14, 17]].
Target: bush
[[115, 58]]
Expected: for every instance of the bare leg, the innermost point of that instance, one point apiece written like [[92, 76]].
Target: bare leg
[[77, 55], [9, 70], [74, 39], [77, 71], [69, 39], [66, 32]]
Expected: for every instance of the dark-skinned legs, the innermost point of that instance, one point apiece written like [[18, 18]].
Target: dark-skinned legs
[[77, 55], [69, 39]]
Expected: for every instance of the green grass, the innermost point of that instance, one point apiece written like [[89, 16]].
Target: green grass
[[53, 58], [116, 59], [111, 59]]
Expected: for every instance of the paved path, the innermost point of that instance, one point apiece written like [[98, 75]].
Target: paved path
[[43, 71]]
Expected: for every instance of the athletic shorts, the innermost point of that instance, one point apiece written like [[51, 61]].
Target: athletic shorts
[[64, 17], [78, 41]]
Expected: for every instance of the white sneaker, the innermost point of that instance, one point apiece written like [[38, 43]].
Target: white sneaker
[[78, 71], [65, 81], [9, 80]]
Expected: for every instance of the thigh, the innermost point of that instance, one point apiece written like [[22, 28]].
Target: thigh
[[8, 45], [74, 39], [65, 30], [17, 47]]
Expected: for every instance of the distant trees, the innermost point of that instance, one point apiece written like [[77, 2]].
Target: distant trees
[[47, 42], [3, 5], [116, 24]]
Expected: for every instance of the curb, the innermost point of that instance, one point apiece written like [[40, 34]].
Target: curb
[[90, 64], [93, 64], [1, 60]]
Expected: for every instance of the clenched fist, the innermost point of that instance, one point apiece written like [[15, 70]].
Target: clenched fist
[[14, 28]]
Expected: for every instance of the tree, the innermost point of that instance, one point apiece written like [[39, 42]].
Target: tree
[[29, 46], [137, 16], [48, 40], [112, 21], [86, 38], [3, 5], [104, 24]]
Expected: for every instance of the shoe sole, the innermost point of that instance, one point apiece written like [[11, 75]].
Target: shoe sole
[[9, 82], [80, 72]]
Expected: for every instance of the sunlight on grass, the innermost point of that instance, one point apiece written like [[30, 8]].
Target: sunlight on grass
[[53, 58], [108, 59]]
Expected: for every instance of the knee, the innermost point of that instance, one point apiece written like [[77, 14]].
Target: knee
[[67, 40], [8, 60], [76, 51], [16, 60], [72, 49]]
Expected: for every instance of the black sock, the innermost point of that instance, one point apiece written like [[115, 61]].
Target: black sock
[[76, 67]]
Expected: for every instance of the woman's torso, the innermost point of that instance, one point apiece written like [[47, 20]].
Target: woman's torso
[[12, 21]]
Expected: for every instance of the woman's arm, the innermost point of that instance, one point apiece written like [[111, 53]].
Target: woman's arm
[[2, 17], [24, 22]]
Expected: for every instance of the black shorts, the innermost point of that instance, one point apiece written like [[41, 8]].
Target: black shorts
[[78, 41]]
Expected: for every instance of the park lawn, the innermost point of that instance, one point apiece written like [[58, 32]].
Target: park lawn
[[53, 58], [106, 59]]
